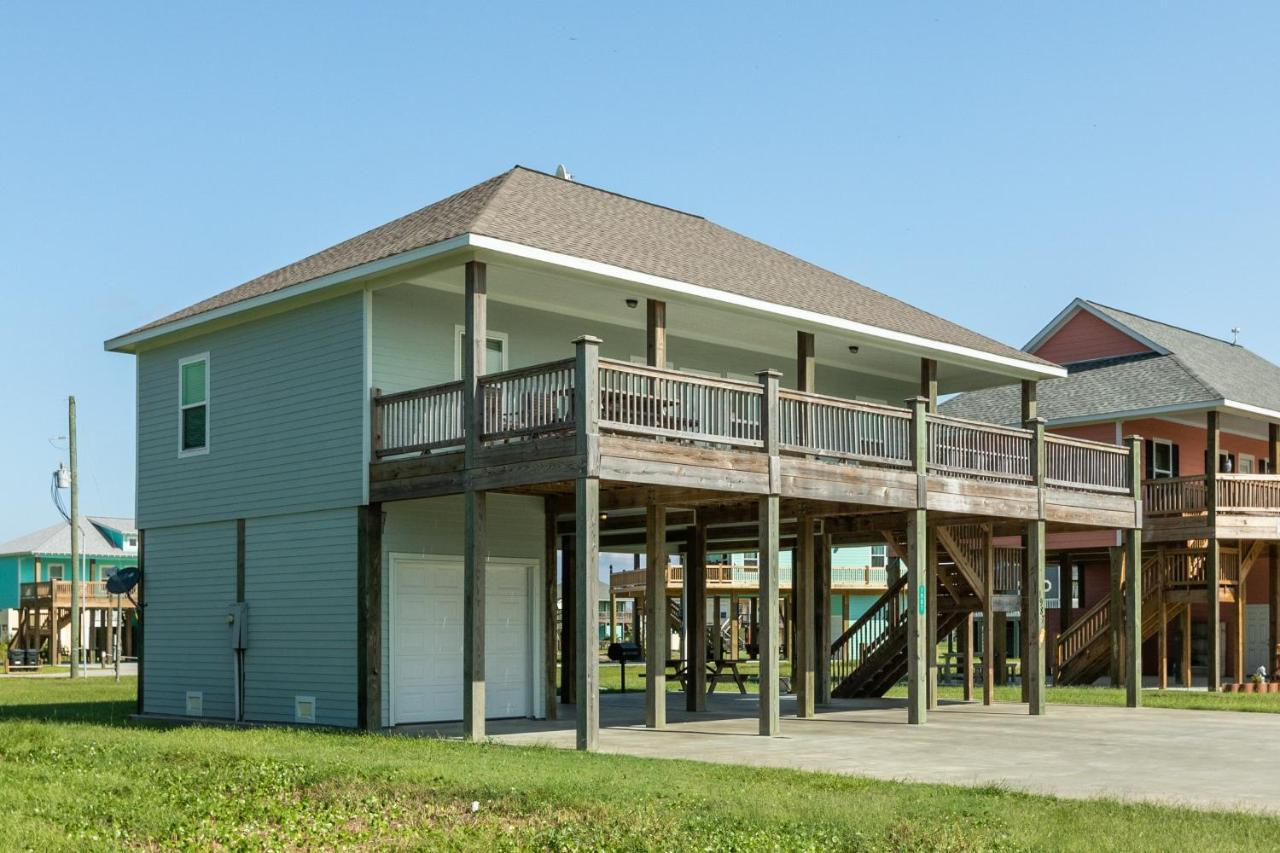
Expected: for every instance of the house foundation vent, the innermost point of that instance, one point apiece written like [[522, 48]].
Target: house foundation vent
[[304, 709], [195, 703]]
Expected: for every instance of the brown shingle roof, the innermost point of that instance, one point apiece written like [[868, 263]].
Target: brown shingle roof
[[535, 209]]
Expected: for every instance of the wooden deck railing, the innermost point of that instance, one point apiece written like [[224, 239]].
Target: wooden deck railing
[[649, 401], [844, 429], [527, 402], [975, 450], [60, 590], [1073, 463], [418, 421], [1236, 493], [1185, 567], [1249, 493], [530, 402], [1173, 495]]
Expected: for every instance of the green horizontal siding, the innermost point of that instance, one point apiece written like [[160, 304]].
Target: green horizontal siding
[[287, 408], [190, 583], [300, 583]]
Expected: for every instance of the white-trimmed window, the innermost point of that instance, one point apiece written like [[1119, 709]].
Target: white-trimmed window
[[879, 556], [1161, 459], [495, 352], [56, 572], [1246, 464], [193, 405]]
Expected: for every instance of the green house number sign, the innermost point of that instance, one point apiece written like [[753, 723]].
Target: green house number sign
[[920, 603]]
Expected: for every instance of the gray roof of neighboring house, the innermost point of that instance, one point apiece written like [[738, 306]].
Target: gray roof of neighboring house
[[539, 210], [56, 539], [1188, 368]]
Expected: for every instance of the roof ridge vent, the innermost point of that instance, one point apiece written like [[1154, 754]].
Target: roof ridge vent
[[563, 173]]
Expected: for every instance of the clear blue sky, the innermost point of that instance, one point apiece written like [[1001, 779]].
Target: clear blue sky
[[987, 164]]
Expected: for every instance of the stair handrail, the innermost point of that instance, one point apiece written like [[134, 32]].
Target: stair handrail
[[883, 601], [1097, 618]]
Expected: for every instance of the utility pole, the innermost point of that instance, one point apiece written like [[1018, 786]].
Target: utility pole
[[75, 546]]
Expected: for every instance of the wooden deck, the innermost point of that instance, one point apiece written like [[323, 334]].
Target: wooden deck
[[686, 440], [57, 593], [1227, 506]]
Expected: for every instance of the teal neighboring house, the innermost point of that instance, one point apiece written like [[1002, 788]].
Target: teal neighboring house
[[107, 544]]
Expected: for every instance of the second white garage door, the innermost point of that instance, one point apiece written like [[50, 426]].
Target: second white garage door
[[426, 640]]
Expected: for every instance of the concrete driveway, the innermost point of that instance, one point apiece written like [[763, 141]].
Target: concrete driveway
[[1204, 759]]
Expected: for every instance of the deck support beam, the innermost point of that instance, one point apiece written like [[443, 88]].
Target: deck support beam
[[988, 615], [768, 518], [929, 383], [1213, 556], [475, 569], [822, 622], [802, 583], [550, 609], [695, 619], [655, 685], [368, 613], [586, 403], [1115, 615], [931, 625], [587, 509], [917, 569], [1133, 617], [1033, 674], [475, 503]]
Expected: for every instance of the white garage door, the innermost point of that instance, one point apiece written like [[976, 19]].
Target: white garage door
[[426, 643]]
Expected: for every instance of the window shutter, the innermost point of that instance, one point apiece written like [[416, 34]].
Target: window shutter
[[1148, 459], [1177, 467]]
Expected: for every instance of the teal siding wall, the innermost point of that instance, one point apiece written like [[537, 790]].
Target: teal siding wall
[[191, 580], [433, 527], [10, 571], [286, 419], [300, 582]]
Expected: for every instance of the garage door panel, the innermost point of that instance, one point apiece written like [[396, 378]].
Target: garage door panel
[[427, 633]]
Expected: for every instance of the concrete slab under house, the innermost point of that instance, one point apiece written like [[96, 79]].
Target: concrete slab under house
[[374, 485]]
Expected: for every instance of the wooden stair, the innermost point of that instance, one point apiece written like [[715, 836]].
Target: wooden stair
[[1082, 653], [870, 656]]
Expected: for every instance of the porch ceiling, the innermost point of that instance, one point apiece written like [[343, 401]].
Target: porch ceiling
[[603, 300]]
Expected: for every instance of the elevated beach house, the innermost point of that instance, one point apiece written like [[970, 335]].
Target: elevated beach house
[[1209, 410], [357, 474], [35, 589]]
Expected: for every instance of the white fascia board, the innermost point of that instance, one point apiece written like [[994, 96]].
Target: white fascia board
[[125, 343], [1132, 414], [902, 340], [1255, 412]]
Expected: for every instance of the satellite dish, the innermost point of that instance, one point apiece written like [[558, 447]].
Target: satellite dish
[[124, 580]]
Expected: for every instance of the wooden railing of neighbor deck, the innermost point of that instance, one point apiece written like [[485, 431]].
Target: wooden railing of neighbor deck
[[1258, 493], [1235, 493], [647, 402], [1174, 496]]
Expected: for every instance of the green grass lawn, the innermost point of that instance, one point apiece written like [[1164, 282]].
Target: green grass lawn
[[77, 776]]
